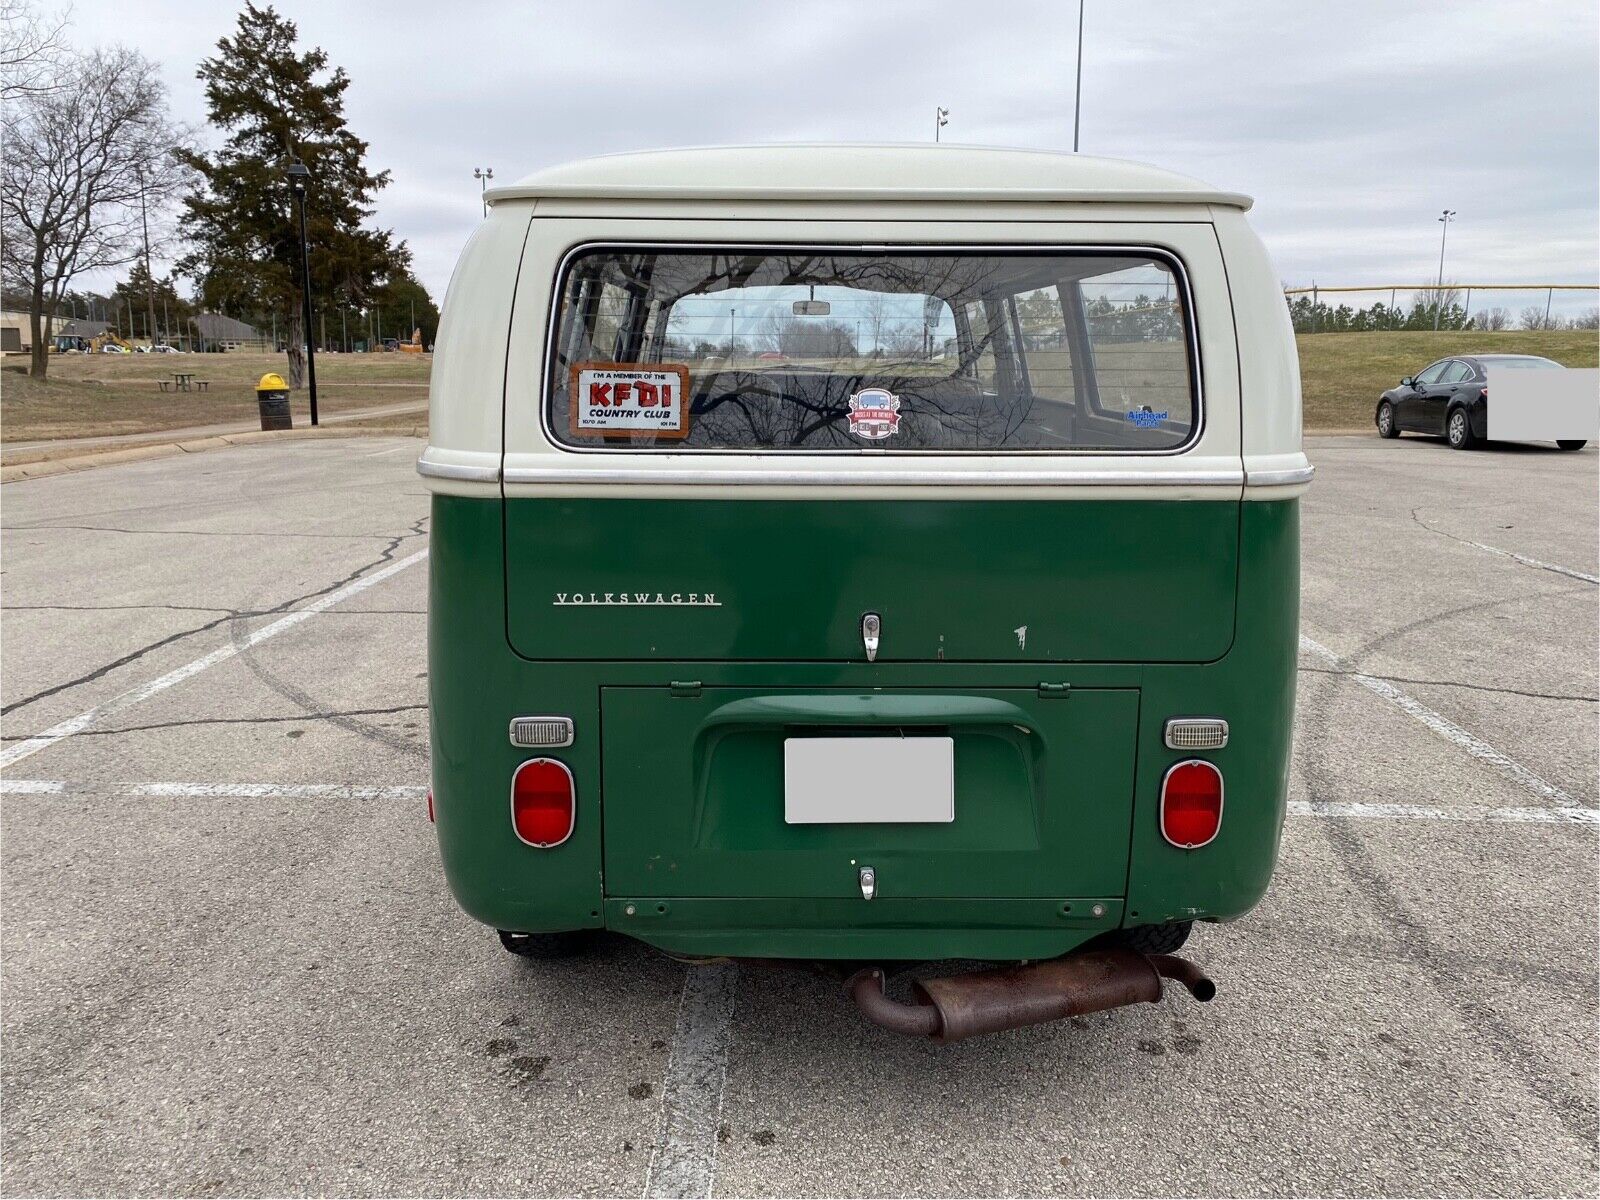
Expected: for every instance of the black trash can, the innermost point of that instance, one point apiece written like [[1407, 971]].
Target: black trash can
[[272, 395]]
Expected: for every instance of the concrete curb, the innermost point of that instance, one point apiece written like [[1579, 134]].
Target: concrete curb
[[16, 472]]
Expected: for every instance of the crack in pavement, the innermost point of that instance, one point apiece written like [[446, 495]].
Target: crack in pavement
[[385, 556], [1525, 560], [297, 718], [1476, 687], [362, 729], [1572, 1109]]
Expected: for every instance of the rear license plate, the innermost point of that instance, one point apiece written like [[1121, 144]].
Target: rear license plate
[[869, 780]]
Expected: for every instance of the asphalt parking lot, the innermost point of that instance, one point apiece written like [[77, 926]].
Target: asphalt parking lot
[[231, 965]]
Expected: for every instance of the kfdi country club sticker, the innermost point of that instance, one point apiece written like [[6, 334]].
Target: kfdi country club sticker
[[874, 414]]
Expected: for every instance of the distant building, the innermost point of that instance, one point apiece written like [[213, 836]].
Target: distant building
[[84, 329], [16, 330], [216, 332], [15, 336]]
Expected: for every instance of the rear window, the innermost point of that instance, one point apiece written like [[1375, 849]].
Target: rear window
[[1521, 364], [836, 350]]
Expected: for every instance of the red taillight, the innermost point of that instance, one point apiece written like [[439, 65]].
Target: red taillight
[[1191, 804], [430, 806], [542, 802]]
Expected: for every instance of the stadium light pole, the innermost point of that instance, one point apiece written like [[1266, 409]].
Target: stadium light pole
[[1438, 287], [1077, 97], [298, 175], [483, 175]]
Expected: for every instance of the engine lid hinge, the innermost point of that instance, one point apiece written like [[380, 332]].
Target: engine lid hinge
[[688, 689], [1054, 689]]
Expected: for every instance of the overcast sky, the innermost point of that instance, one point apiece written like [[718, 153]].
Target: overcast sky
[[1352, 122]]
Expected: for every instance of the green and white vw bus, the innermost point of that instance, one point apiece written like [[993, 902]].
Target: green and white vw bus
[[866, 553]]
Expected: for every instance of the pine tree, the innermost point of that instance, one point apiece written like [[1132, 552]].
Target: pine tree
[[276, 103]]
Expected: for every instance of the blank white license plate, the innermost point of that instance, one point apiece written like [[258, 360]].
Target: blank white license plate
[[869, 780]]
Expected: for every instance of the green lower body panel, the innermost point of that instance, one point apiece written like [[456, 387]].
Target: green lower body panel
[[678, 762]]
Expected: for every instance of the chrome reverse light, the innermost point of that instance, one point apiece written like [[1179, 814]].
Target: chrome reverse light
[[1197, 733], [541, 732]]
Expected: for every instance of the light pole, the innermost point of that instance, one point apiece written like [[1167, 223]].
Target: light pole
[[1438, 289], [483, 175], [149, 281], [941, 118], [1077, 96], [298, 175], [732, 313]]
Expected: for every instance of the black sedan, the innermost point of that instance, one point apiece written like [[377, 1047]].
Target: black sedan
[[1451, 397]]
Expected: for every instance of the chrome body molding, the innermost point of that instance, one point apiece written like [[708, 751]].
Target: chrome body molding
[[712, 477], [828, 477], [1288, 477], [430, 469]]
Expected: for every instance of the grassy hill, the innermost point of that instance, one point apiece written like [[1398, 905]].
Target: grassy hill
[[1341, 374]]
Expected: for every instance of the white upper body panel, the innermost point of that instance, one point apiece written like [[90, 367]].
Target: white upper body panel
[[487, 394], [864, 172]]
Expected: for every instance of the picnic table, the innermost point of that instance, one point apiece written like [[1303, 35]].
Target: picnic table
[[183, 381]]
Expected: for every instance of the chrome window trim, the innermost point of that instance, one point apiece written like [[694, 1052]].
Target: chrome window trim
[[1171, 257]]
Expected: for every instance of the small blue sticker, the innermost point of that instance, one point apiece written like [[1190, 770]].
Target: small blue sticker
[[1145, 419]]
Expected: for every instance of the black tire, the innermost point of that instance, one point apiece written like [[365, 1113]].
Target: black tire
[[1458, 430], [1155, 939], [1571, 445], [1385, 419], [545, 945]]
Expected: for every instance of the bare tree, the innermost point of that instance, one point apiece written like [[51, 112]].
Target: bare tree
[[877, 310], [1589, 318], [1492, 319], [79, 160], [32, 49], [1536, 316]]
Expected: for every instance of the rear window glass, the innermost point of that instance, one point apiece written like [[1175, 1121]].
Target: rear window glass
[[1521, 364], [821, 350]]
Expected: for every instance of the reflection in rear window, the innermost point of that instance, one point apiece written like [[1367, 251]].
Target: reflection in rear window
[[792, 349]]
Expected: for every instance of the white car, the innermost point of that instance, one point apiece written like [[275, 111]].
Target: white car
[[165, 350]]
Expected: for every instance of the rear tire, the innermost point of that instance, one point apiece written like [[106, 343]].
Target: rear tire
[[1386, 426], [1458, 429], [1571, 445], [545, 945], [1154, 939]]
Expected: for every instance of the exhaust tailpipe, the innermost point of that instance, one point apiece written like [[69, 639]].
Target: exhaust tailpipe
[[963, 1006]]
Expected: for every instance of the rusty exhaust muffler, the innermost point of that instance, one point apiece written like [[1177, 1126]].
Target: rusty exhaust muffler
[[963, 1006]]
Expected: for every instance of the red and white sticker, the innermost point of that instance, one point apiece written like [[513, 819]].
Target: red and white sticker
[[625, 399]]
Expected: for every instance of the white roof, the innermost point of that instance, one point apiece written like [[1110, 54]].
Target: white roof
[[866, 172]]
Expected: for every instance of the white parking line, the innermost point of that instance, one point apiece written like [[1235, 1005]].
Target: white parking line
[[144, 691], [1534, 562], [1539, 815], [1443, 726], [684, 1162], [216, 791]]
